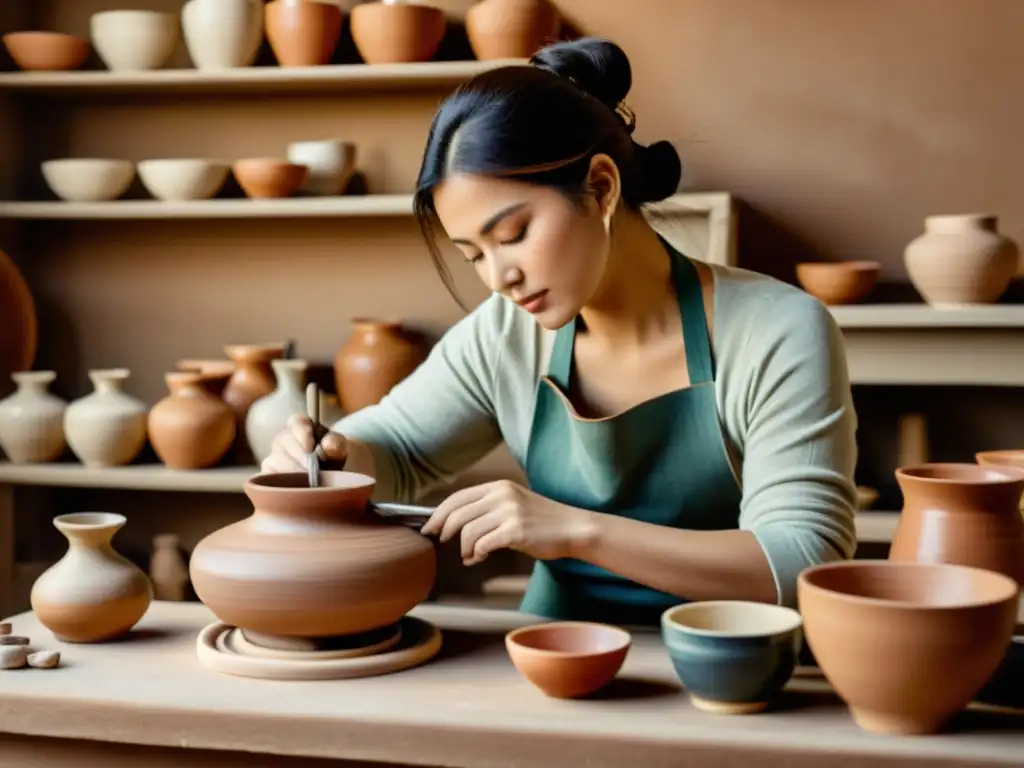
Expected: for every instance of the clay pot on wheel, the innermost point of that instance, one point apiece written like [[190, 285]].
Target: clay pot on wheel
[[510, 29], [964, 514], [312, 562], [376, 357]]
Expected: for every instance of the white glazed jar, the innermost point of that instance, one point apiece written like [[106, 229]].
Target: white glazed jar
[[269, 415], [222, 34], [106, 428], [31, 419]]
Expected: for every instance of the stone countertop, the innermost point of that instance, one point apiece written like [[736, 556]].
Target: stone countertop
[[468, 708]]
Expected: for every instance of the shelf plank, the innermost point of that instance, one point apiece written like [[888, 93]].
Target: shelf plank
[[245, 208], [900, 316], [263, 80], [876, 527], [137, 477]]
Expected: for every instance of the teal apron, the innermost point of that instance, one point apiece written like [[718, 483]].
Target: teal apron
[[663, 461]]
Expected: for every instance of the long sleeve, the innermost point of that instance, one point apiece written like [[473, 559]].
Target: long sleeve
[[799, 449], [440, 420]]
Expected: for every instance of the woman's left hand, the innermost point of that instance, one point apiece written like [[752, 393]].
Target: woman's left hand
[[503, 514]]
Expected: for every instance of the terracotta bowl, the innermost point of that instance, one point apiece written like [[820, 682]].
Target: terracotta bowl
[[183, 179], [906, 645], [392, 34], [843, 282], [47, 51], [88, 179], [266, 177], [733, 657], [568, 659], [511, 30], [134, 41]]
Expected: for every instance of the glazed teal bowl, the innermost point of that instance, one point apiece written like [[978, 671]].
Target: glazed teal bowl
[[733, 657]]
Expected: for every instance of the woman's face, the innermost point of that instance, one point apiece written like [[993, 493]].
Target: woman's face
[[528, 243]]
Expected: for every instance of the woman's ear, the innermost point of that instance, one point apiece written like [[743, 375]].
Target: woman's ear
[[604, 182]]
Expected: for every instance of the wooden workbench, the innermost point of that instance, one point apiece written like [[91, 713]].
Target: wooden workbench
[[147, 701]]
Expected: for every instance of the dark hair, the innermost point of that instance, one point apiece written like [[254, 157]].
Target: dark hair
[[542, 124]]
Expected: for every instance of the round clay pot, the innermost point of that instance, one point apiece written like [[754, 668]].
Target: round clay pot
[[386, 33], [961, 260], [964, 514], [222, 34], [32, 419], [47, 51], [568, 659], [269, 177], [302, 33], [844, 282], [269, 415], [376, 357], [215, 373], [253, 376], [92, 594], [108, 427], [906, 645], [191, 428], [511, 29], [312, 562]]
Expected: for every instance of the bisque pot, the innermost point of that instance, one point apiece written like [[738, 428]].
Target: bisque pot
[[312, 562], [191, 428], [377, 356], [106, 428]]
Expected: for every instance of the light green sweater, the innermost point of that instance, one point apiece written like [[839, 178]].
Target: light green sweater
[[782, 390]]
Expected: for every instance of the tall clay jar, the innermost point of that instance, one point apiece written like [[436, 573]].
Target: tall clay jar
[[377, 356], [312, 562], [961, 260], [106, 428], [509, 29], [93, 593], [269, 415], [963, 514], [191, 428], [302, 33], [32, 419]]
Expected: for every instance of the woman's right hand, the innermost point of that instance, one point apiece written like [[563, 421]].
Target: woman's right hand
[[292, 446]]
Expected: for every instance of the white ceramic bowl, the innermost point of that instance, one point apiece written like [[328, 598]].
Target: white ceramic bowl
[[134, 41], [88, 179], [184, 178]]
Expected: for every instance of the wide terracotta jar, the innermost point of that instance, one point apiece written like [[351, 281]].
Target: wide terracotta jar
[[191, 428], [376, 357], [963, 514], [312, 562], [961, 259]]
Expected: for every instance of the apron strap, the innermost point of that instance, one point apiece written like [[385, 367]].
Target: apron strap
[[699, 361]]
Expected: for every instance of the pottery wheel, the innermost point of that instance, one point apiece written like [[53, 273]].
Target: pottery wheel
[[409, 643]]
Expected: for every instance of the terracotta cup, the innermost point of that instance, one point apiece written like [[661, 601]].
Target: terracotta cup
[[843, 282], [395, 33], [302, 33], [47, 51], [269, 177]]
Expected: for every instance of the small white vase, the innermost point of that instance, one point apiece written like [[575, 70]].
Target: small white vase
[[106, 428], [331, 165], [93, 593], [31, 419], [269, 415], [222, 34]]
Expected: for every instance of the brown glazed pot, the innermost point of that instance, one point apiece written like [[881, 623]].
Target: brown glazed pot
[[510, 29], [376, 357], [964, 514], [191, 428], [906, 645], [302, 33], [253, 377], [312, 562]]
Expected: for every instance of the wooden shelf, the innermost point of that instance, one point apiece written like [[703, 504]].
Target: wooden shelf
[[139, 477], [261, 80], [244, 208], [898, 316]]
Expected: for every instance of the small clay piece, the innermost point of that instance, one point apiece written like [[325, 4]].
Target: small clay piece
[[167, 568], [44, 659], [5, 628], [13, 640], [13, 656]]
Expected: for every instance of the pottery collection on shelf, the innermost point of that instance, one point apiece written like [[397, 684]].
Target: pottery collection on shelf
[[228, 34]]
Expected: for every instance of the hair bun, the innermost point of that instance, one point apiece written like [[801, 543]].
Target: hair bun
[[598, 66], [660, 170]]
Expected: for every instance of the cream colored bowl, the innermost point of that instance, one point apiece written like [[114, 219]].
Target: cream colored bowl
[[134, 41], [88, 179], [183, 179]]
